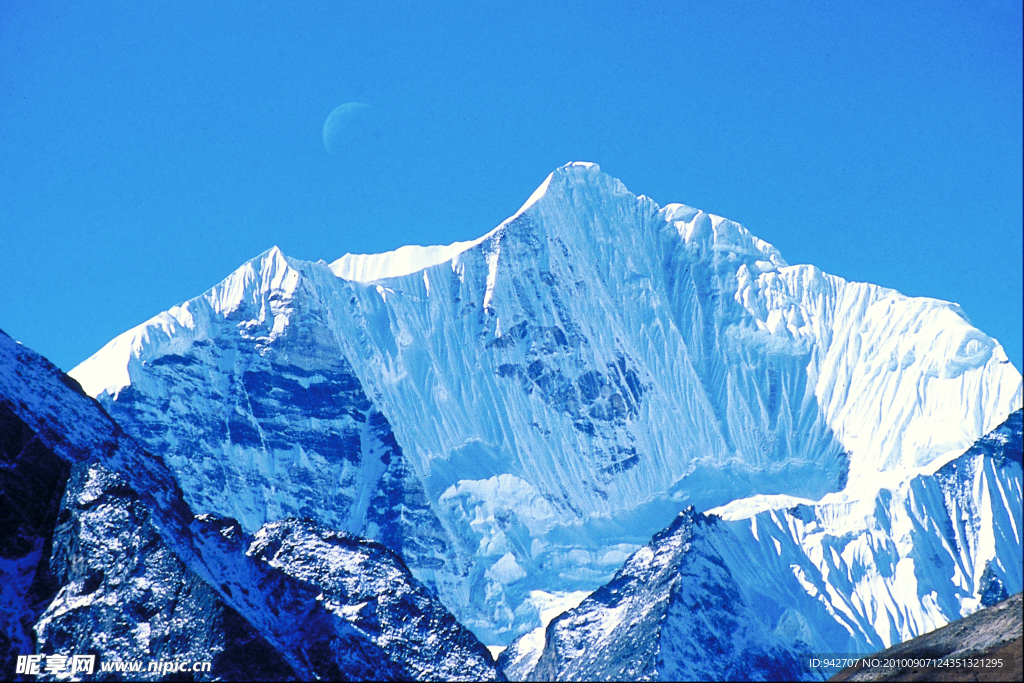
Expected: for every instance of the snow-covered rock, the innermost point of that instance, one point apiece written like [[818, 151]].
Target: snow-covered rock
[[520, 412], [757, 589], [370, 590], [673, 612], [125, 596]]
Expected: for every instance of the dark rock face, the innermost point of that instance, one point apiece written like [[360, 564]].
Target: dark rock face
[[85, 572], [100, 554], [125, 596], [32, 481], [992, 589]]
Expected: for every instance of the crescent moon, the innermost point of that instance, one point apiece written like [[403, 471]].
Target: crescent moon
[[338, 122]]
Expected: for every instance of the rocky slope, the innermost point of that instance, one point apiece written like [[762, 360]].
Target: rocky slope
[[517, 414], [985, 646], [103, 556], [673, 612], [125, 596]]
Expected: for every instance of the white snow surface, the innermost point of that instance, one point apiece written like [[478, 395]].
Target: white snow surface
[[402, 261], [561, 387]]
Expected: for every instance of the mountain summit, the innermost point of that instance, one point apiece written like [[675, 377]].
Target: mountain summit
[[516, 415]]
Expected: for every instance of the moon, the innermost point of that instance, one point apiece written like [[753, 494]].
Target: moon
[[338, 124]]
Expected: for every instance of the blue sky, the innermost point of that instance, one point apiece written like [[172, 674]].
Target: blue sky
[[148, 149]]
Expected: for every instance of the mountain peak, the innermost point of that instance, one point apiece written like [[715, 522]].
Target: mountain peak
[[410, 259], [262, 284]]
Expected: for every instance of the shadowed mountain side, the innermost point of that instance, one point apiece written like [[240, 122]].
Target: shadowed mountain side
[[84, 570]]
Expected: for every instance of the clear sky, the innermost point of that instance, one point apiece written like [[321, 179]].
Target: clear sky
[[147, 149]]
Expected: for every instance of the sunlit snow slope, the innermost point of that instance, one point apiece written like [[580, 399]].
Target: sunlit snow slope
[[519, 413]]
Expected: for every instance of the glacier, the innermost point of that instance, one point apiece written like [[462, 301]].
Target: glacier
[[517, 414]]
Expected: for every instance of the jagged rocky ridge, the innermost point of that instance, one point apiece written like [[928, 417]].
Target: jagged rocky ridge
[[100, 555], [517, 414], [124, 595], [751, 591]]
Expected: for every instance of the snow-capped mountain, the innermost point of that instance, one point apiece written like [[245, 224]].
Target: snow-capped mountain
[[517, 414], [756, 589], [100, 554]]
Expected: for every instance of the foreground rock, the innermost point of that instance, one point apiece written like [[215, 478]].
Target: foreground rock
[[986, 646], [100, 555]]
